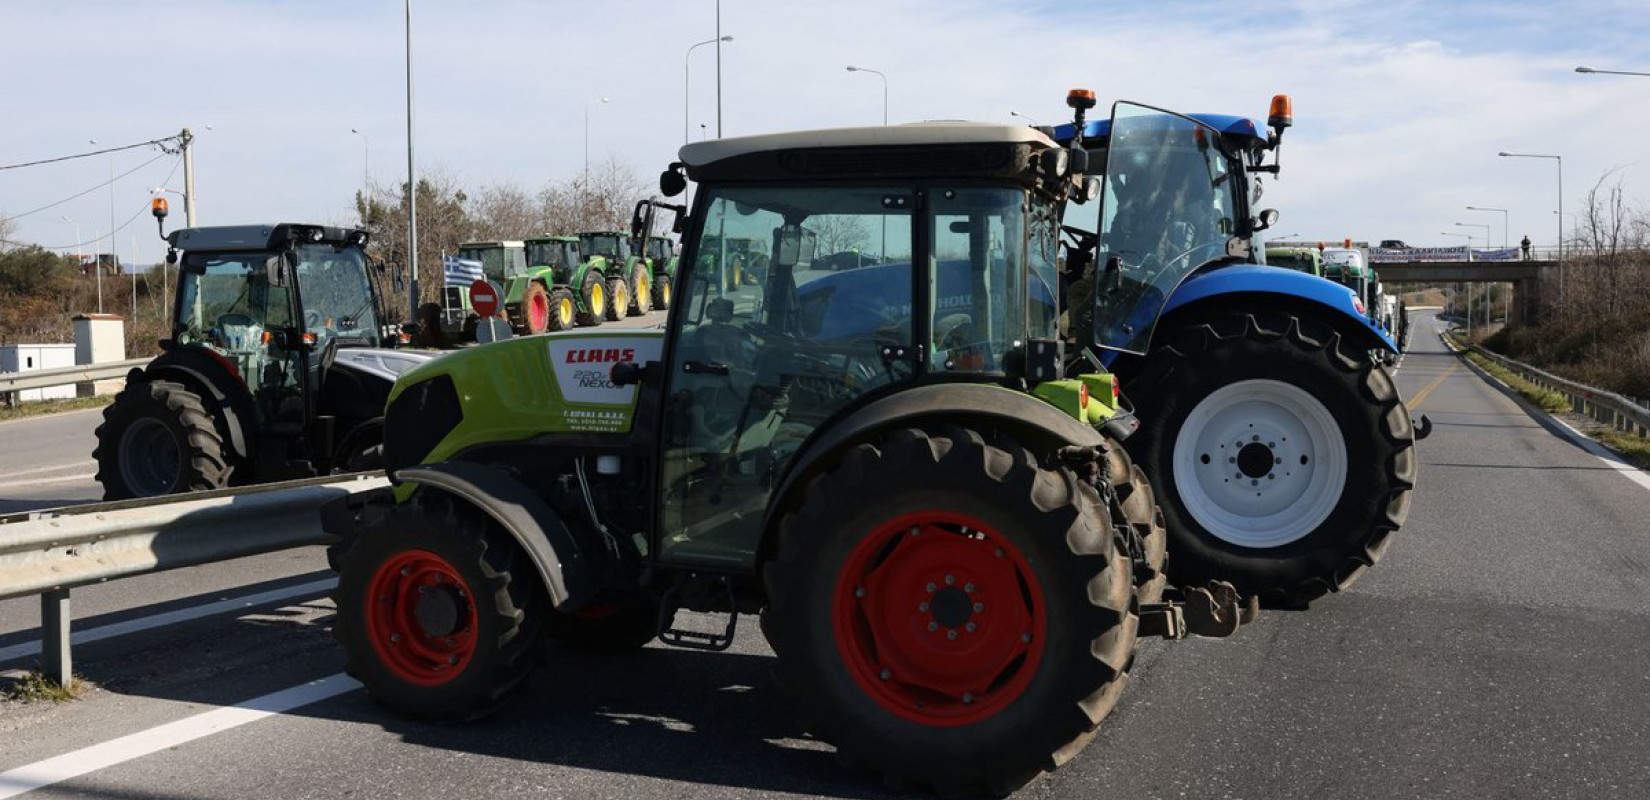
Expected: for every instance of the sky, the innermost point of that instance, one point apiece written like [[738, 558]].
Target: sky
[[1401, 106]]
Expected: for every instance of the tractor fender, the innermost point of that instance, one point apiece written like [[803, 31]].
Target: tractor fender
[[521, 513], [203, 373], [1281, 286], [1029, 420]]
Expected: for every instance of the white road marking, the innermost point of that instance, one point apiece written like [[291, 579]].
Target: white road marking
[[173, 617], [87, 760], [37, 470], [85, 476]]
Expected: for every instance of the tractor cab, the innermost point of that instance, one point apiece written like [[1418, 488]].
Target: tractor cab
[[770, 343], [610, 245], [559, 254]]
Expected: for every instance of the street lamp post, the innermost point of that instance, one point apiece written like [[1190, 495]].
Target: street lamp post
[[1505, 237], [366, 157], [587, 106], [97, 265], [412, 186], [1560, 160], [1026, 117], [884, 89], [1469, 258], [1467, 285], [686, 87], [1591, 71]]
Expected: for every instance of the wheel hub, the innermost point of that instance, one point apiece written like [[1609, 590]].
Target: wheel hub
[[939, 619], [420, 618], [1260, 463], [437, 610]]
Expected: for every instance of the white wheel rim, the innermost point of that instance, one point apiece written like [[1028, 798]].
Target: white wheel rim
[[1221, 468]]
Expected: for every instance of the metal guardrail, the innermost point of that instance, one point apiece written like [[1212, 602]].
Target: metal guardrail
[[52, 551], [57, 376], [1619, 412]]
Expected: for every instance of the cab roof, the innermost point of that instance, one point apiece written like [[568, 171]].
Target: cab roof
[[922, 149], [261, 237]]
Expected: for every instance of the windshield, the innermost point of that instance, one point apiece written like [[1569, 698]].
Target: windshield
[[226, 300], [547, 254], [1168, 207], [605, 245], [498, 262], [338, 300]]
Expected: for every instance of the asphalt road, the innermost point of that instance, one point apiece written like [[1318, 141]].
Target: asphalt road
[[47, 461], [1499, 650]]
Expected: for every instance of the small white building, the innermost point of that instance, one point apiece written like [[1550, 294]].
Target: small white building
[[31, 357]]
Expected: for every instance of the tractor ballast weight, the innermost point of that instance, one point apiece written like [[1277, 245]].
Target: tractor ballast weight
[[950, 551], [277, 366], [1277, 443]]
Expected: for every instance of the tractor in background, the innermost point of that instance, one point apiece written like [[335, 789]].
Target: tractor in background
[[951, 552], [1276, 441], [659, 252], [629, 281], [277, 366]]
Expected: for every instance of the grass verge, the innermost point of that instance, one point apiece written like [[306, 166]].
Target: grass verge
[[1633, 449], [42, 407], [34, 687]]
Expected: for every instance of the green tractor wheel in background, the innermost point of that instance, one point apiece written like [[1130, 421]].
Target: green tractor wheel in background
[[661, 291], [618, 298], [592, 299], [641, 288], [563, 311]]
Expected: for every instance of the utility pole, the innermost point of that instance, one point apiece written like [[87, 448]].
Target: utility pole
[[412, 185], [189, 177]]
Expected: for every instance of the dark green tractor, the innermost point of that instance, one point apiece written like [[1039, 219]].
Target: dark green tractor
[[629, 283], [951, 554]]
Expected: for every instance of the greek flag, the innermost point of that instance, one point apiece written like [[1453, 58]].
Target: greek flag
[[460, 272]]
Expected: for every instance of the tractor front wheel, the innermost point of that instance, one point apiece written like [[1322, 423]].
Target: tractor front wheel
[[950, 614], [618, 298], [563, 311], [156, 439], [438, 610], [641, 289], [1281, 454], [593, 299]]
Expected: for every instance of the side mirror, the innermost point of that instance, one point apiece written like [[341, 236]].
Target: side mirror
[[672, 182], [637, 223]]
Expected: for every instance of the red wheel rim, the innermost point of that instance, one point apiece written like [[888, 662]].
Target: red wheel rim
[[538, 312], [939, 619], [421, 618]]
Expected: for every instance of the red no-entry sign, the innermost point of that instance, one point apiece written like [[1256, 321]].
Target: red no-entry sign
[[483, 299]]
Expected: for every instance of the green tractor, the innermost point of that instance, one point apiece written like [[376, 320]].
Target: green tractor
[[562, 288], [951, 554], [658, 250], [629, 283], [1299, 259]]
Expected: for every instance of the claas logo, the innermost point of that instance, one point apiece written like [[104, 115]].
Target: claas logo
[[600, 355]]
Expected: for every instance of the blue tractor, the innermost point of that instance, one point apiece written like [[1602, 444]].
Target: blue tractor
[[1279, 449]]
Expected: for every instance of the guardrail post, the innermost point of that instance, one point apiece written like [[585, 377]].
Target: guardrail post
[[54, 637]]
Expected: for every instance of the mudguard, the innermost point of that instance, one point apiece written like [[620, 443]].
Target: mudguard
[[524, 515], [1032, 421], [1255, 279]]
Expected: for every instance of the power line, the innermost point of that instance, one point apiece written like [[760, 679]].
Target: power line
[[94, 188], [153, 142], [123, 225]]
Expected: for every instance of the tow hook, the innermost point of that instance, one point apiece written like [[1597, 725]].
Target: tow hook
[[1423, 430], [1215, 611]]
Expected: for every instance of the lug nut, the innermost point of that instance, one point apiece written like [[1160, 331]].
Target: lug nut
[[978, 607], [968, 587], [951, 634], [933, 626], [999, 552], [931, 588], [968, 698], [950, 580], [915, 530], [859, 591], [885, 675], [923, 607], [970, 627], [395, 638], [1026, 637]]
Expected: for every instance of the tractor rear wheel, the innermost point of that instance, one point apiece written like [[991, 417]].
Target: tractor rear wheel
[[605, 628], [618, 298], [536, 310], [641, 289], [661, 291], [156, 439], [950, 614], [438, 610], [1281, 454], [563, 311], [1138, 504], [593, 299]]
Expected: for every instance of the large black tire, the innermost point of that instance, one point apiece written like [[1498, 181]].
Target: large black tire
[[1229, 391], [1137, 504], [563, 311], [157, 438], [641, 289], [438, 610], [606, 628], [536, 309], [618, 298], [908, 545], [593, 299], [661, 291]]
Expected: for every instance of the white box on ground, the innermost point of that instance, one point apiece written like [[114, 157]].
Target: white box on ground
[[31, 357], [98, 339]]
